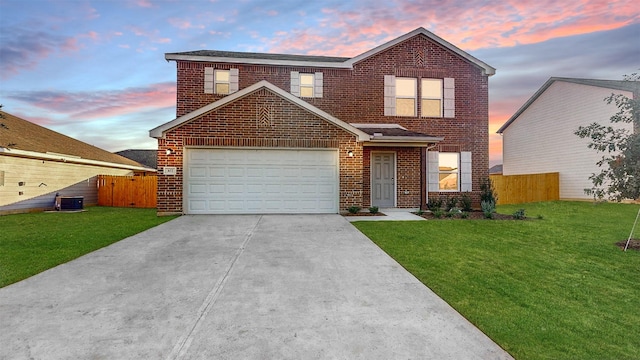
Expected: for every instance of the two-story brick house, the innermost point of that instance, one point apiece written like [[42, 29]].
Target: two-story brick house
[[274, 133]]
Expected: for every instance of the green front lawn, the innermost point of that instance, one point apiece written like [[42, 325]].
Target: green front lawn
[[32, 243], [550, 288]]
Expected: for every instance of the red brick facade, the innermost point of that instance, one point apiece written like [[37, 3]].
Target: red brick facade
[[352, 95]]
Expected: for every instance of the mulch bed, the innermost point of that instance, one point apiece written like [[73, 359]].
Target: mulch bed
[[364, 214], [634, 244], [473, 215]]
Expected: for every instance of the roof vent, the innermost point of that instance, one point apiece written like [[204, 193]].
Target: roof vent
[[377, 134]]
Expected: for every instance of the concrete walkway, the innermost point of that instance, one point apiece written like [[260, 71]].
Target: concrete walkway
[[392, 214], [235, 287]]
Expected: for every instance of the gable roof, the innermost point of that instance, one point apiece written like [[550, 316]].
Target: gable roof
[[20, 137], [319, 61], [159, 131], [143, 156], [488, 70], [624, 85]]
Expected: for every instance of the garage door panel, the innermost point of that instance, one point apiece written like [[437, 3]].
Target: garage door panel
[[241, 181], [236, 172], [198, 172]]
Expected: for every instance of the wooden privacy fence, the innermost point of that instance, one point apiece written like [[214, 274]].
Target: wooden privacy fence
[[516, 189], [127, 191]]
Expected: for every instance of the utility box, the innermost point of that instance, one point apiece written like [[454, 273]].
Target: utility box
[[69, 203]]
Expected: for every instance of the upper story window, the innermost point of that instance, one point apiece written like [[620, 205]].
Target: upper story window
[[431, 93], [221, 82], [307, 85], [437, 97], [406, 97]]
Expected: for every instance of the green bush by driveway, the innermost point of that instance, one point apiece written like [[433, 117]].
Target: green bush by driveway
[[549, 288], [32, 243]]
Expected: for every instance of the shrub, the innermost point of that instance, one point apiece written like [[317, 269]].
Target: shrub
[[449, 214], [519, 214], [374, 210], [452, 202], [438, 213], [465, 202], [435, 203], [464, 214], [487, 191], [488, 208], [420, 212], [353, 209]]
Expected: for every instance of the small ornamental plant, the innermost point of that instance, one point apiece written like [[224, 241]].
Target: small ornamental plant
[[465, 202], [519, 214], [353, 209], [374, 210]]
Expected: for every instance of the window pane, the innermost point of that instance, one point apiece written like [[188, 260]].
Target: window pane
[[431, 89], [405, 87], [448, 181], [431, 108], [448, 161], [405, 107], [222, 88], [222, 76], [306, 91], [306, 79]]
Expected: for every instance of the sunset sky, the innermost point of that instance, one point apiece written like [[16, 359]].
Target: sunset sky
[[95, 70]]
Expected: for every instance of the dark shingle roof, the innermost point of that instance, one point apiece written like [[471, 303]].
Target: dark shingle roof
[[262, 56], [385, 131], [17, 133], [145, 157]]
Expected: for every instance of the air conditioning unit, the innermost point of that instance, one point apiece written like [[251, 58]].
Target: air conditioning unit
[[69, 203]]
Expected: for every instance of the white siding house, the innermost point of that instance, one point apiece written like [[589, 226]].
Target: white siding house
[[37, 163], [539, 137]]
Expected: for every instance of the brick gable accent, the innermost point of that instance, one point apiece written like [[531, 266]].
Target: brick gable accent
[[237, 124]]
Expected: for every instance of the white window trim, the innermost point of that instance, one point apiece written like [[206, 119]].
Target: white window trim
[[414, 97], [389, 95], [440, 98], [318, 88], [465, 172], [210, 80], [448, 97]]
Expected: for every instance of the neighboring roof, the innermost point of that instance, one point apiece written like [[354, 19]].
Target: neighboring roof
[[495, 169], [24, 138], [319, 61], [159, 131], [633, 86], [395, 133], [145, 157]]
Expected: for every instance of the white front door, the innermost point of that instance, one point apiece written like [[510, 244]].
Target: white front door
[[260, 181], [383, 185]]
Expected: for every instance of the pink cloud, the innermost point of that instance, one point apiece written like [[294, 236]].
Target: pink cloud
[[92, 104], [477, 24], [184, 24], [42, 121], [144, 3], [25, 48]]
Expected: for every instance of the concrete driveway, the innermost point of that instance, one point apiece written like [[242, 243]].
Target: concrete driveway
[[235, 287]]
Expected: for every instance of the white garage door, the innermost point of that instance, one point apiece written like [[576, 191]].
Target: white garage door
[[241, 181]]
